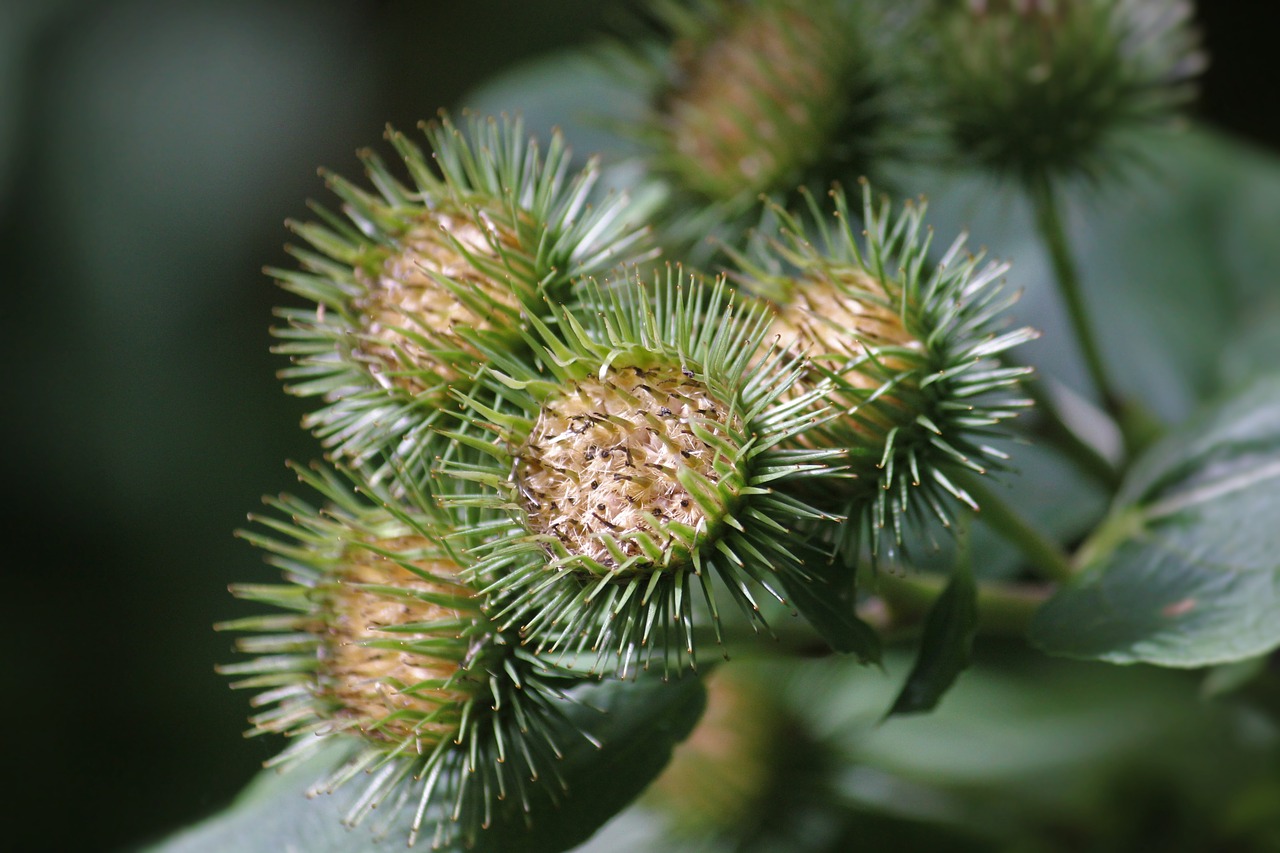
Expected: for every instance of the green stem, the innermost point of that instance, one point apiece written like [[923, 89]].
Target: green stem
[[1044, 554], [1138, 426], [1004, 609], [1049, 222]]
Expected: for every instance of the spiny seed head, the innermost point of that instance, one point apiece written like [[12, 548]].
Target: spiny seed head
[[369, 667], [751, 98], [840, 316], [825, 304], [603, 457], [383, 633], [488, 228], [1037, 89], [904, 349], [647, 459], [381, 642], [754, 96]]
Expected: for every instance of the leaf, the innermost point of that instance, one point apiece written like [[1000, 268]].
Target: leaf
[[1186, 571], [566, 91], [1022, 738], [637, 723], [946, 645], [1255, 346], [827, 600]]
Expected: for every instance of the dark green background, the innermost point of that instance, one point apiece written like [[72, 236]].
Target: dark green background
[[149, 152]]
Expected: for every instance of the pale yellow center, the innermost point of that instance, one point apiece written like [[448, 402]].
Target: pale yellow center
[[603, 458], [754, 102], [861, 339], [831, 324], [368, 684], [408, 299]]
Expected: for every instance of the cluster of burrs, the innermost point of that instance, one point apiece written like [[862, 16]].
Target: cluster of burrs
[[759, 97], [553, 459], [556, 455]]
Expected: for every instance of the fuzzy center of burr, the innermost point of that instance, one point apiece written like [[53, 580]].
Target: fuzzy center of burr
[[838, 321], [407, 312], [601, 470], [835, 318], [754, 102], [370, 681]]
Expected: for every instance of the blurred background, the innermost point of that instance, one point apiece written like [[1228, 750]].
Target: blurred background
[[149, 153]]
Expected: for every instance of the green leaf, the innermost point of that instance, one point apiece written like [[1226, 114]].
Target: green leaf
[[827, 600], [1254, 347], [636, 722], [1024, 743], [567, 91], [946, 645], [1186, 571]]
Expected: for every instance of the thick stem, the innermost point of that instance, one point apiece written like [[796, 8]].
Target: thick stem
[[1004, 609], [1044, 554]]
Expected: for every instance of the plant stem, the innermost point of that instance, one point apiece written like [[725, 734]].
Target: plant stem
[[899, 604], [1137, 425], [1045, 555], [1004, 609], [1049, 222]]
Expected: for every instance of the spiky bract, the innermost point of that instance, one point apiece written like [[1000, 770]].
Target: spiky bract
[[649, 458], [755, 93], [382, 643], [1040, 89], [475, 245], [906, 349], [752, 97]]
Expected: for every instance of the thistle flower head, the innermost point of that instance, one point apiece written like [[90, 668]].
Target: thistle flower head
[[838, 314], [905, 350], [754, 97], [381, 642], [755, 93], [1036, 89], [649, 458], [488, 226], [371, 672]]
